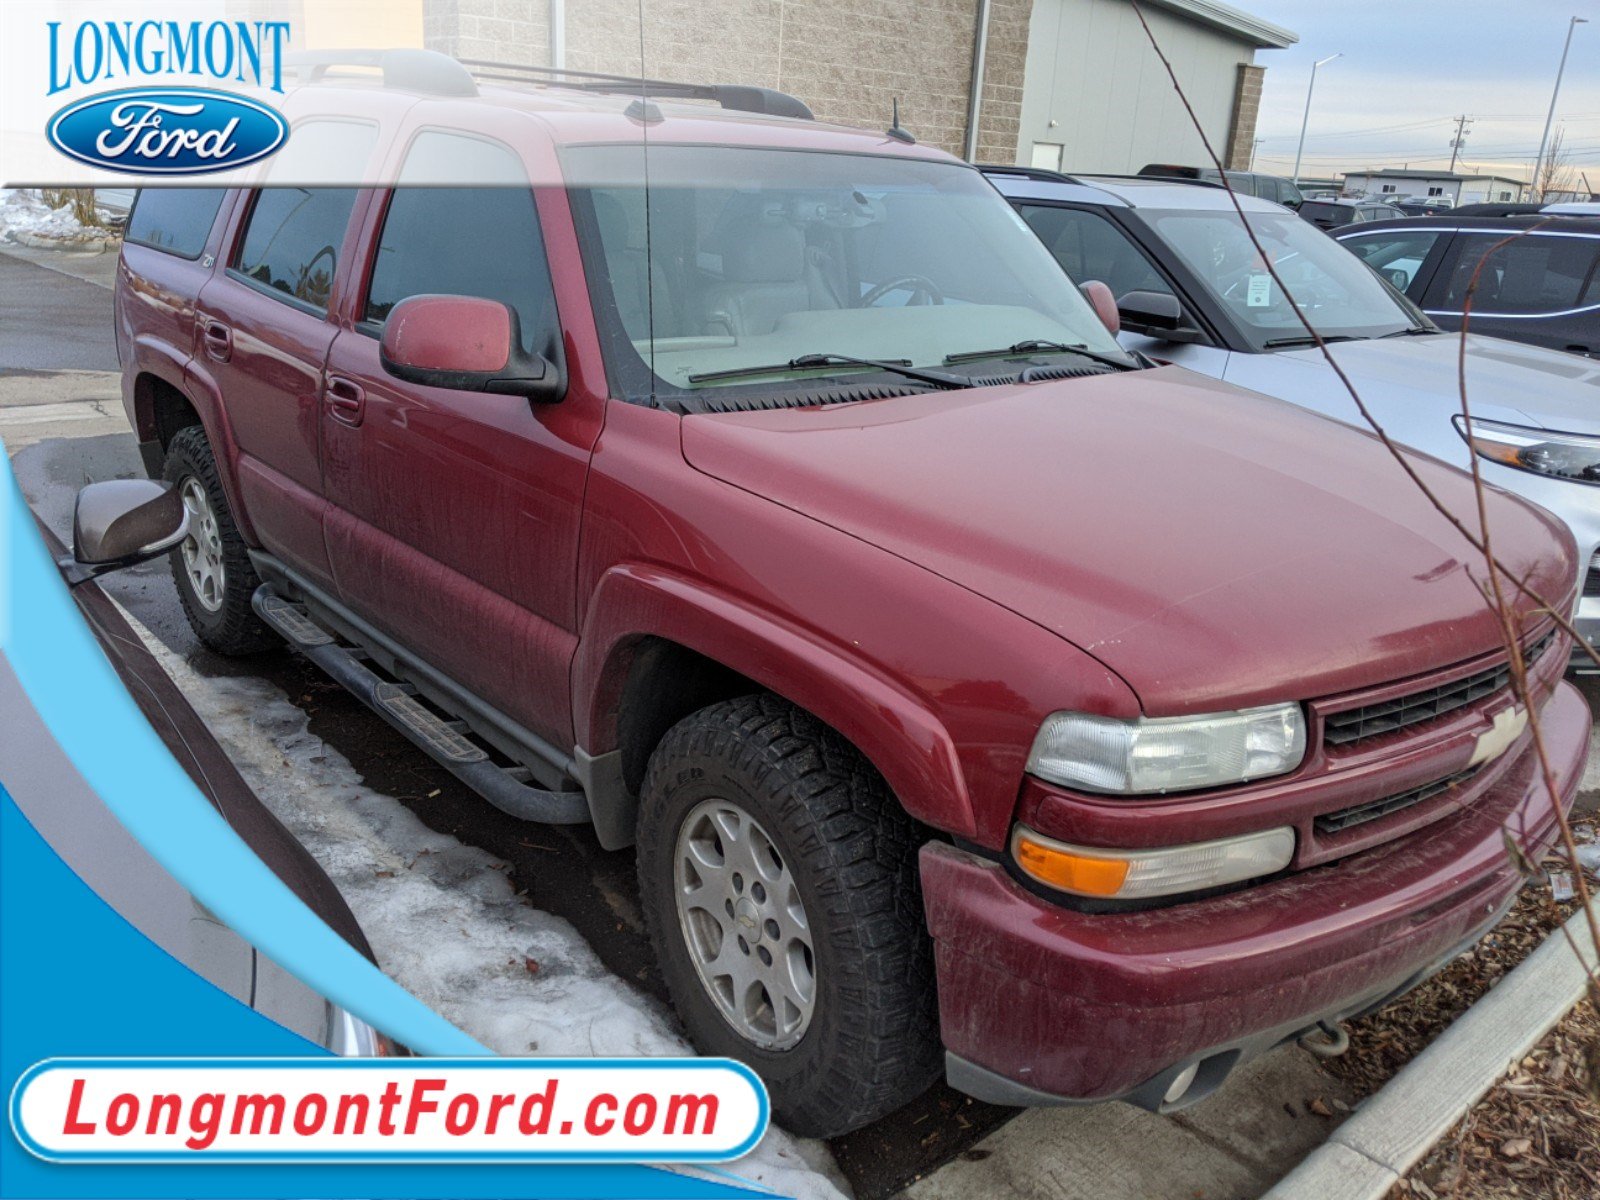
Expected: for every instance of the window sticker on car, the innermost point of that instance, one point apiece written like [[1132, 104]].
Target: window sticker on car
[[1259, 294]]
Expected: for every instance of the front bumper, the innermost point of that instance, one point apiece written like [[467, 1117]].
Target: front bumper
[[1040, 1003]]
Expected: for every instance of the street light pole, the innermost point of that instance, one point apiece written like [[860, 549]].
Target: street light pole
[[1538, 163], [1306, 120]]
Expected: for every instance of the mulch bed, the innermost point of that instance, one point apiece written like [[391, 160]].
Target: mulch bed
[[1537, 1132]]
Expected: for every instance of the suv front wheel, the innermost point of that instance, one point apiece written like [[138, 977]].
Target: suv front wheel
[[212, 565], [779, 878]]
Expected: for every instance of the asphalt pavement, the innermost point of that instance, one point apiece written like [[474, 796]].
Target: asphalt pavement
[[61, 420]]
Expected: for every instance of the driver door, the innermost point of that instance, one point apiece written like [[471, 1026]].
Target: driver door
[[454, 516]]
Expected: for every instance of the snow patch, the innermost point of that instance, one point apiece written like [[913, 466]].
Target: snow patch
[[22, 211], [443, 919]]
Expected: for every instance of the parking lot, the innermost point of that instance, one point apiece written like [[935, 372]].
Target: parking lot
[[530, 937]]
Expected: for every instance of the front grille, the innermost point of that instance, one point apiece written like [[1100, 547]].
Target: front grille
[[1359, 814], [1357, 724], [1591, 581]]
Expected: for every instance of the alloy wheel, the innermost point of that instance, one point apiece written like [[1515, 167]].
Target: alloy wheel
[[745, 925]]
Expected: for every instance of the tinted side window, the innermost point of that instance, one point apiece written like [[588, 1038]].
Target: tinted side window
[[177, 220], [1528, 275], [291, 243], [464, 241], [1090, 247]]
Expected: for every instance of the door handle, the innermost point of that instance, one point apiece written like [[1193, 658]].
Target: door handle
[[346, 399], [218, 341]]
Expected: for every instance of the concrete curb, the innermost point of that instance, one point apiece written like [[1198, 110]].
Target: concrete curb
[[1395, 1128]]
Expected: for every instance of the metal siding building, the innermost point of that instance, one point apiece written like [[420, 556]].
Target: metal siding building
[[1096, 98]]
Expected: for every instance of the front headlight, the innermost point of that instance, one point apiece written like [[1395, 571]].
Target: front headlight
[[1168, 754], [1572, 456]]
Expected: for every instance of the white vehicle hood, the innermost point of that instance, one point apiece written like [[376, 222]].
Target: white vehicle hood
[[1406, 378]]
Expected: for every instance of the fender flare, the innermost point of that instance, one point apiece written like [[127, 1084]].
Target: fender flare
[[154, 356], [894, 728], [206, 395]]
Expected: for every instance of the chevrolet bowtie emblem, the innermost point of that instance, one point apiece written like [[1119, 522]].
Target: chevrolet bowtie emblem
[[1494, 741]]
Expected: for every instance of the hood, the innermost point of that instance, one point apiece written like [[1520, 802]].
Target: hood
[[1213, 547], [1506, 381]]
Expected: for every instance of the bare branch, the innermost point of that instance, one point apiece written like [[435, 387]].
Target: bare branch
[[1479, 540]]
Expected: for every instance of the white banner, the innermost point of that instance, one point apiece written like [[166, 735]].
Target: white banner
[[389, 1110]]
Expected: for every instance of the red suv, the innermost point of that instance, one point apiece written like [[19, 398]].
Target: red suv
[[979, 698]]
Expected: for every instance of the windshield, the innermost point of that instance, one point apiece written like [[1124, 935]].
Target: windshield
[[1338, 294], [754, 258]]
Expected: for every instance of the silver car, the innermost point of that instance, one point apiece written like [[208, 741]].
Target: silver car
[[117, 524], [1190, 289]]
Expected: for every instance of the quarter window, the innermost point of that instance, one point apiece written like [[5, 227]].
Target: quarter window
[[177, 220], [479, 241], [1528, 274]]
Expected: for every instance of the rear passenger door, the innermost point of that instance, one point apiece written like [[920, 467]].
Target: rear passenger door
[[455, 515], [263, 332], [1541, 287]]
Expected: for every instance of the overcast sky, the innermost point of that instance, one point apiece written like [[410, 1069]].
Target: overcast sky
[[1410, 67]]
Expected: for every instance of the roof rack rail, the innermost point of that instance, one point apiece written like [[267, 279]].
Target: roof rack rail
[[1043, 174], [739, 97], [1210, 183], [409, 70]]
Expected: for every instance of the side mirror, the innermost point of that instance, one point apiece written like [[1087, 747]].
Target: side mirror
[[1104, 304], [1157, 315], [121, 522], [466, 343]]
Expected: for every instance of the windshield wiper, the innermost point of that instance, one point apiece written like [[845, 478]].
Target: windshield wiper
[[811, 362], [1034, 346], [1413, 331], [1306, 340]]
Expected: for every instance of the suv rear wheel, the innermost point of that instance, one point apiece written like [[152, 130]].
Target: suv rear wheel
[[780, 884], [212, 565]]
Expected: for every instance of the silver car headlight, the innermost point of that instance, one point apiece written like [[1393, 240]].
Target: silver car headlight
[[1572, 456], [1168, 754]]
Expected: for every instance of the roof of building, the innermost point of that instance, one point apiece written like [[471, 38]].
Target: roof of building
[[1408, 173], [1248, 28]]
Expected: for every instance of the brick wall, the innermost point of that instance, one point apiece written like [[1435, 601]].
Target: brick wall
[[516, 31], [847, 59], [1242, 124]]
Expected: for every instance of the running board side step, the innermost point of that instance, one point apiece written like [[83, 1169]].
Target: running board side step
[[446, 742]]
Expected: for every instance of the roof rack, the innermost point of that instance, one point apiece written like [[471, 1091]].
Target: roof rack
[[409, 70], [736, 96], [1210, 183], [1043, 174]]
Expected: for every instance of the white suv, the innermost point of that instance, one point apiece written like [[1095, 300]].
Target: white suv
[[1191, 290]]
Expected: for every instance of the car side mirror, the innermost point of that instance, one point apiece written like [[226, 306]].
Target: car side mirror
[[121, 522], [1156, 315], [466, 343], [1104, 304]]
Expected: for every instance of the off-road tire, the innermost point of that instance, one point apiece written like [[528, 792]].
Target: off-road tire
[[872, 1042], [232, 629]]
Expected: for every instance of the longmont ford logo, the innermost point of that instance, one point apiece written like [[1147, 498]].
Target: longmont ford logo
[[170, 128]]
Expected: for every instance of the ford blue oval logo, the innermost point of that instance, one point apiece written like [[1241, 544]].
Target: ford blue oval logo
[[167, 131]]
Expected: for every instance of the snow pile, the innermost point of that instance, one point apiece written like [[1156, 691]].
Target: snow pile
[[26, 218], [443, 919]]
